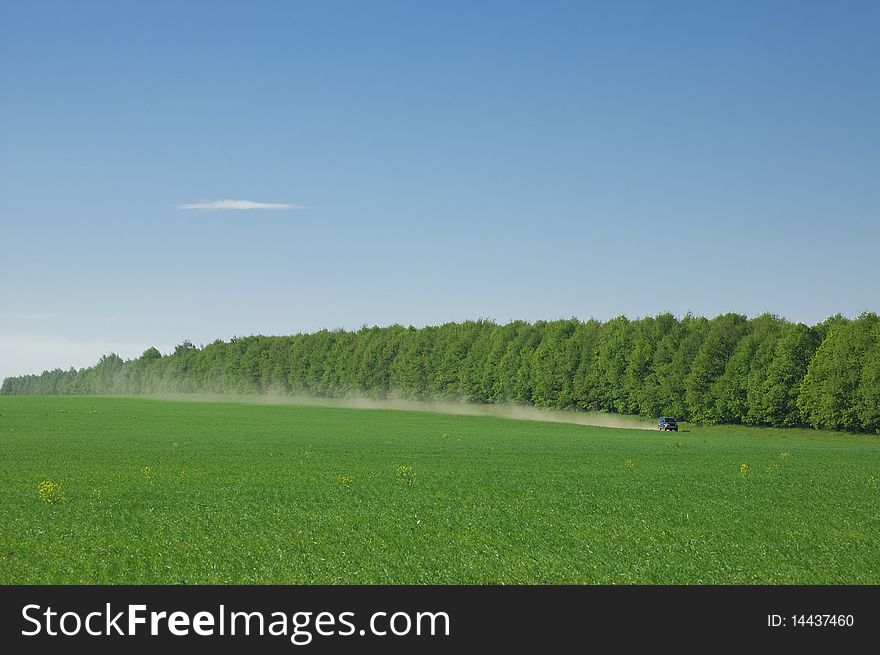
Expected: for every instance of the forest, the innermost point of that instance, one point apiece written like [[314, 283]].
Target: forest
[[763, 371]]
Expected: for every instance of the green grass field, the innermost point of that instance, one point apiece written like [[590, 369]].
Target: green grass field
[[188, 492]]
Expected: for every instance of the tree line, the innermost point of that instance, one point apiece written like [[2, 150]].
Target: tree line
[[730, 369]]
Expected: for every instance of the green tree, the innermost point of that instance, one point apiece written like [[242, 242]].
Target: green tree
[[554, 363], [648, 333], [868, 393], [585, 381], [785, 375], [615, 342], [673, 381], [828, 397], [724, 333]]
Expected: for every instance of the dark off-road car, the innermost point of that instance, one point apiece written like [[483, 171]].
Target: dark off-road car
[[667, 423]]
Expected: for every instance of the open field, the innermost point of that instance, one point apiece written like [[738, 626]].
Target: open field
[[158, 491]]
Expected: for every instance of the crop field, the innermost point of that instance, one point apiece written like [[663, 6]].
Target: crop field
[[143, 491]]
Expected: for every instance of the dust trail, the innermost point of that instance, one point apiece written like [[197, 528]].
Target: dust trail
[[514, 412]]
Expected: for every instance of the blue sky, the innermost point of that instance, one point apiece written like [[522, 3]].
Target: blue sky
[[442, 161]]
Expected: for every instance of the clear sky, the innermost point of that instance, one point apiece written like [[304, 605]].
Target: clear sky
[[427, 162]]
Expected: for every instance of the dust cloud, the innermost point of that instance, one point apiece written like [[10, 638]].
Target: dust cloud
[[514, 412]]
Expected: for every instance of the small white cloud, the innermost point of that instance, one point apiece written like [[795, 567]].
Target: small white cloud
[[32, 317], [215, 205]]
